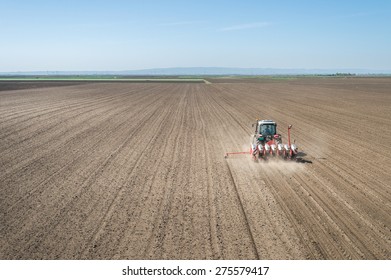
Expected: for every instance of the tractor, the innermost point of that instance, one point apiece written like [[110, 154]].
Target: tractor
[[266, 143]]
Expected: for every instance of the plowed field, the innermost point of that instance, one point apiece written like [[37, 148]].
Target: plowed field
[[137, 171]]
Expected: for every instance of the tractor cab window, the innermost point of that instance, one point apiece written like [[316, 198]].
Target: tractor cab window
[[267, 129]]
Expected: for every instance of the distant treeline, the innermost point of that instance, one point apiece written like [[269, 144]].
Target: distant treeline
[[343, 74]]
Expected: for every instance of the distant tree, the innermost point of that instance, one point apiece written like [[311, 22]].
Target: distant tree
[[343, 74]]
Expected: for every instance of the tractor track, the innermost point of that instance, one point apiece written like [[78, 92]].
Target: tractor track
[[243, 212]]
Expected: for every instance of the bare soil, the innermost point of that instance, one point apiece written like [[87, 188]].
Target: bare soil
[[15, 85], [137, 171]]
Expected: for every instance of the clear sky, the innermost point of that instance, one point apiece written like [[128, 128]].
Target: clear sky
[[40, 35]]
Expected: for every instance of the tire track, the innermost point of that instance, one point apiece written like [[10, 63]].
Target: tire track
[[243, 212]]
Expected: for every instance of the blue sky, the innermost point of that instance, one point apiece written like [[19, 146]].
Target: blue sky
[[126, 35]]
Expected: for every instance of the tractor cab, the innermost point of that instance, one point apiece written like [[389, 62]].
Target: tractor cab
[[265, 131], [267, 128]]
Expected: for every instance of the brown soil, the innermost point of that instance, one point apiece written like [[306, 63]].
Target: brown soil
[[11, 85], [137, 171]]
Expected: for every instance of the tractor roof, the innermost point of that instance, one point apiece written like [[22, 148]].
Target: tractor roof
[[266, 122]]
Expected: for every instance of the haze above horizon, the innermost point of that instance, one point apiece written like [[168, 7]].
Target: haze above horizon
[[130, 35]]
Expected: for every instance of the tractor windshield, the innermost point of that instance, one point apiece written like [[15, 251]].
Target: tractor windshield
[[267, 129]]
